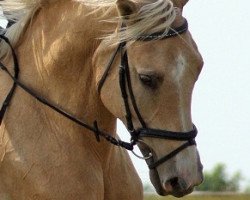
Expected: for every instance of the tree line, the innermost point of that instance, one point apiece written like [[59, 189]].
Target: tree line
[[217, 180]]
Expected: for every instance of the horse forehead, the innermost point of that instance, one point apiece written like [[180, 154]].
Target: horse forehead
[[165, 50]]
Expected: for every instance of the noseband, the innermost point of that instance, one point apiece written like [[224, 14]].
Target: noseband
[[126, 92]]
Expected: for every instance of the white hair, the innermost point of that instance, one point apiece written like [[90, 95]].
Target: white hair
[[151, 18], [154, 16]]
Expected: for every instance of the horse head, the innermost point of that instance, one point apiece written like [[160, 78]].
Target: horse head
[[162, 74]]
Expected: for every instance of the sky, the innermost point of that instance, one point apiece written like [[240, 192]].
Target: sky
[[221, 98]]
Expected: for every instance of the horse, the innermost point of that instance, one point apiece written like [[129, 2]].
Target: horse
[[88, 63]]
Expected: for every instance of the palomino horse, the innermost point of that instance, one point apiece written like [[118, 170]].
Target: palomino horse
[[98, 61]]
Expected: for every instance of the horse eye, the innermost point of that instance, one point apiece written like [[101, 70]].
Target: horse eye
[[148, 80]]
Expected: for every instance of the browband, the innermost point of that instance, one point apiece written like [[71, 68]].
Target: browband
[[161, 35]]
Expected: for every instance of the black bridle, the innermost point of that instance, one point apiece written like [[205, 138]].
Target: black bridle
[[126, 92]]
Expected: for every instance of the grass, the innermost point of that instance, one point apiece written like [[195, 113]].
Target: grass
[[202, 197]]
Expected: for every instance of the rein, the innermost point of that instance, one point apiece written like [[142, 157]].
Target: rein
[[126, 92], [98, 133]]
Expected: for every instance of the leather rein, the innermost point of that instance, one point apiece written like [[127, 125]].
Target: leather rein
[[126, 92]]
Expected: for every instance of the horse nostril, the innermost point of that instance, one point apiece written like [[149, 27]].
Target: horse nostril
[[178, 183], [178, 187], [174, 182]]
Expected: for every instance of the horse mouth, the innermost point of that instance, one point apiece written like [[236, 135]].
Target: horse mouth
[[179, 194], [173, 188]]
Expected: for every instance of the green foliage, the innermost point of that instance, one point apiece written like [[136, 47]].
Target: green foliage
[[247, 189], [234, 182], [217, 180]]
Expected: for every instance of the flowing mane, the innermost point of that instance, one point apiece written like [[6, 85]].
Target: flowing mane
[[146, 20]]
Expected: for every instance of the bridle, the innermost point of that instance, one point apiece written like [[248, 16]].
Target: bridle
[[126, 92]]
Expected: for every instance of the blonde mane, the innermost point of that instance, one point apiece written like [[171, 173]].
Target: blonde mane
[[146, 20], [20, 11], [151, 18]]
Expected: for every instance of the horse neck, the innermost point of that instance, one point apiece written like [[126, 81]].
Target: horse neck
[[56, 61]]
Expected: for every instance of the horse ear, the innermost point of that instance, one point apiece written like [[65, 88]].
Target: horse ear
[[179, 3], [126, 7], [184, 2]]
